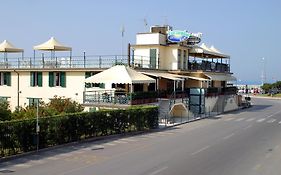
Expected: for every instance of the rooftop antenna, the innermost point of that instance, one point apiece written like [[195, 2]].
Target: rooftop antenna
[[145, 24], [122, 35], [165, 20]]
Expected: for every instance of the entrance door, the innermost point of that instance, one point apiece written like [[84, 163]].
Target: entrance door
[[197, 100]]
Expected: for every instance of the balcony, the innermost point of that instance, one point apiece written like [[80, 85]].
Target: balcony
[[118, 98], [208, 66]]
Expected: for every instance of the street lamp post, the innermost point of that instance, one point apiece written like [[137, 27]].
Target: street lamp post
[[18, 89], [263, 75]]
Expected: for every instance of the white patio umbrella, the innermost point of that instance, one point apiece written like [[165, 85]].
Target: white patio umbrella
[[7, 47]]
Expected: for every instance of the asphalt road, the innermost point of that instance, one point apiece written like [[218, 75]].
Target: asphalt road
[[246, 142]]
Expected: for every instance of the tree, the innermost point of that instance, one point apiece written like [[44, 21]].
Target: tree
[[266, 87], [64, 105], [5, 112]]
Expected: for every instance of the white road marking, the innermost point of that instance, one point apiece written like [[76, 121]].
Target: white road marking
[[109, 144], [227, 137], [271, 121], [273, 114], [128, 140], [261, 120], [250, 119], [53, 158], [249, 126], [200, 150], [229, 119], [158, 171], [240, 119], [22, 165], [119, 141], [280, 122]]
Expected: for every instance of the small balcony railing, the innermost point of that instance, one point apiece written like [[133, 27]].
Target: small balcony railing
[[117, 97]]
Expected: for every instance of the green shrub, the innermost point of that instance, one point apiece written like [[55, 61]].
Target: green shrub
[[20, 135]]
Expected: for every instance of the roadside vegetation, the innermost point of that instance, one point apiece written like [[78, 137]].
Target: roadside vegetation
[[56, 106], [273, 89]]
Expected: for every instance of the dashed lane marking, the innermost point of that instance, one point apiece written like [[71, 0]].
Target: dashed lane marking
[[229, 119], [250, 119], [261, 120], [200, 150], [271, 121], [227, 137], [240, 119]]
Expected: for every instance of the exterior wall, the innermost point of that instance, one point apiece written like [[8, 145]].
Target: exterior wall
[[162, 84], [222, 103], [151, 38], [216, 83], [169, 61], [74, 88]]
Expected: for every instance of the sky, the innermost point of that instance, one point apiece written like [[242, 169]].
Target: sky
[[247, 30]]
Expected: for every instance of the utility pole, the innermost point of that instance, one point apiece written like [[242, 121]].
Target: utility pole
[[263, 74]]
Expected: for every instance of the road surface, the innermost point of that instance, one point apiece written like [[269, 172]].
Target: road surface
[[246, 142]]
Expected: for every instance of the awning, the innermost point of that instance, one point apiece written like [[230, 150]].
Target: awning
[[164, 75], [205, 52], [174, 77], [220, 77], [120, 74], [6, 46], [52, 45]]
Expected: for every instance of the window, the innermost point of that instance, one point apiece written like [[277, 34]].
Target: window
[[57, 79], [152, 61], [33, 101], [90, 85], [36, 79], [5, 78], [2, 98], [179, 59], [184, 60]]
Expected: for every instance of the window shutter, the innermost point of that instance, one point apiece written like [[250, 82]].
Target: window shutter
[[87, 74], [31, 79], [51, 79], [39, 74], [62, 79], [8, 78], [102, 85]]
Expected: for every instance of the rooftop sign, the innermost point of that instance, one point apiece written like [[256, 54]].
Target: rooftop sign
[[177, 36]]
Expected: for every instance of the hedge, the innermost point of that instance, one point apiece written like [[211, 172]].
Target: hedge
[[20, 136]]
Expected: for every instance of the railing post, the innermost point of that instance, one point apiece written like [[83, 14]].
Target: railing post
[[43, 61], [84, 56], [18, 63], [99, 61], [30, 62], [57, 62]]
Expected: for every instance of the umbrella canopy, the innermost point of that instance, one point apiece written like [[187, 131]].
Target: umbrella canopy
[[119, 74], [52, 45], [6, 46]]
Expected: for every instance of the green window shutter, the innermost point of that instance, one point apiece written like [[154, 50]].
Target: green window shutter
[[152, 60], [31, 79], [102, 85], [87, 74], [7, 76], [62, 79], [51, 79], [39, 79]]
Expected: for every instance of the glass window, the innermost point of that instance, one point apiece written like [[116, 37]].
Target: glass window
[[57, 79], [36, 79]]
